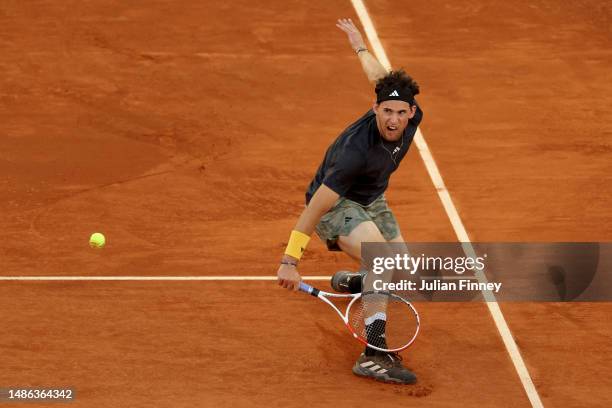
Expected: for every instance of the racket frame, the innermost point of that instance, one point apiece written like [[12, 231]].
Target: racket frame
[[322, 295]]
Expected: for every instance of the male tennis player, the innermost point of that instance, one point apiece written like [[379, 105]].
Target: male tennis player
[[345, 200]]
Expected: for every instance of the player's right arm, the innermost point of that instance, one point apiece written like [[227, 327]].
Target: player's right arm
[[371, 66], [322, 200]]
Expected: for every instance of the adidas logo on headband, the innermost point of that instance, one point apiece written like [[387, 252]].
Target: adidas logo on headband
[[406, 96]]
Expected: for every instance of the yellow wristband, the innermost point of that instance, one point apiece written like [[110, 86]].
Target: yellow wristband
[[297, 244]]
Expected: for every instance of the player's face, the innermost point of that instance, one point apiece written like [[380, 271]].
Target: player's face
[[392, 118]]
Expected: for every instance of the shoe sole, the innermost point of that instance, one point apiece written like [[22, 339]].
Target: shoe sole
[[364, 372], [335, 282]]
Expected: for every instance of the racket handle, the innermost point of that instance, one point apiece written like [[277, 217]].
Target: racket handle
[[304, 287]]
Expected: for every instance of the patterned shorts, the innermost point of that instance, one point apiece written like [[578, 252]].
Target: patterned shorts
[[345, 215]]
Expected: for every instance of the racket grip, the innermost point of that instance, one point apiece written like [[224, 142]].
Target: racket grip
[[304, 287]]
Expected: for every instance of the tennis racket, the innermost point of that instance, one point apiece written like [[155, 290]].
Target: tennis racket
[[381, 320]]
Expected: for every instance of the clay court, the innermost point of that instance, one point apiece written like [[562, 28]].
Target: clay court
[[187, 132]]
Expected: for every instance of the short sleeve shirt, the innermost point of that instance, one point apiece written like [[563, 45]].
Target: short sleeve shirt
[[360, 162]]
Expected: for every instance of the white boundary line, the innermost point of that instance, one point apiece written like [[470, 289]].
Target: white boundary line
[[455, 219], [154, 278]]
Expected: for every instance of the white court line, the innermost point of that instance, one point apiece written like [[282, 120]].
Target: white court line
[[154, 278], [455, 219]]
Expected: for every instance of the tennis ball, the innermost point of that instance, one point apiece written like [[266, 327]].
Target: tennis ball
[[97, 240]]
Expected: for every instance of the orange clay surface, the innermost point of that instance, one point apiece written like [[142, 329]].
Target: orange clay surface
[[187, 132]]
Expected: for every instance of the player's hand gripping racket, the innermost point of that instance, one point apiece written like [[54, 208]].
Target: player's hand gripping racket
[[382, 320]]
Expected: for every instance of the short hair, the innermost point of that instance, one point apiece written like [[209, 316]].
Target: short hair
[[398, 80]]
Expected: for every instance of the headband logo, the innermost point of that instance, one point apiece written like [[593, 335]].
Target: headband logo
[[394, 93]]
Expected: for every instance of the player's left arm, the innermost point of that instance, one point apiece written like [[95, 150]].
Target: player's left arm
[[373, 69]]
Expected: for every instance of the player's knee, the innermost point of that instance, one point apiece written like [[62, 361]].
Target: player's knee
[[367, 232]]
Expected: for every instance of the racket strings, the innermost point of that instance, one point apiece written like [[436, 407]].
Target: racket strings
[[382, 320]]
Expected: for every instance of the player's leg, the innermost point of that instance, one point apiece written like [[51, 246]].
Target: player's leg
[[381, 226], [367, 231], [348, 281], [381, 366], [338, 224]]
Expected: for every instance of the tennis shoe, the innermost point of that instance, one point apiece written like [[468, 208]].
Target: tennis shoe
[[384, 367], [348, 282]]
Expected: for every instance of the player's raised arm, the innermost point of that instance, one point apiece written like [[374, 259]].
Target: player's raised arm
[[372, 68], [323, 199]]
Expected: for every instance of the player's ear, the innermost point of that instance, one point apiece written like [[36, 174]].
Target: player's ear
[[375, 107], [412, 111]]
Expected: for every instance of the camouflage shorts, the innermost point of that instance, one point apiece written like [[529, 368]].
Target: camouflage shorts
[[345, 215]]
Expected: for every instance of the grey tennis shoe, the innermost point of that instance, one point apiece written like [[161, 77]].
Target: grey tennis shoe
[[384, 367], [348, 282]]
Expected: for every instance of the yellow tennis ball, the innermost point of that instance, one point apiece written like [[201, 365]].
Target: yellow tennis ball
[[97, 240]]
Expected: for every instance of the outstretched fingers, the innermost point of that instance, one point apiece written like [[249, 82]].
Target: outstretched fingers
[[352, 32], [346, 25]]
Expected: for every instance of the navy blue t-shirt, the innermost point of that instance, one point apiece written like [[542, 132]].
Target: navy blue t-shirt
[[359, 163]]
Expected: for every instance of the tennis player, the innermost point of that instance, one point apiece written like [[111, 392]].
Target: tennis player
[[345, 200]]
